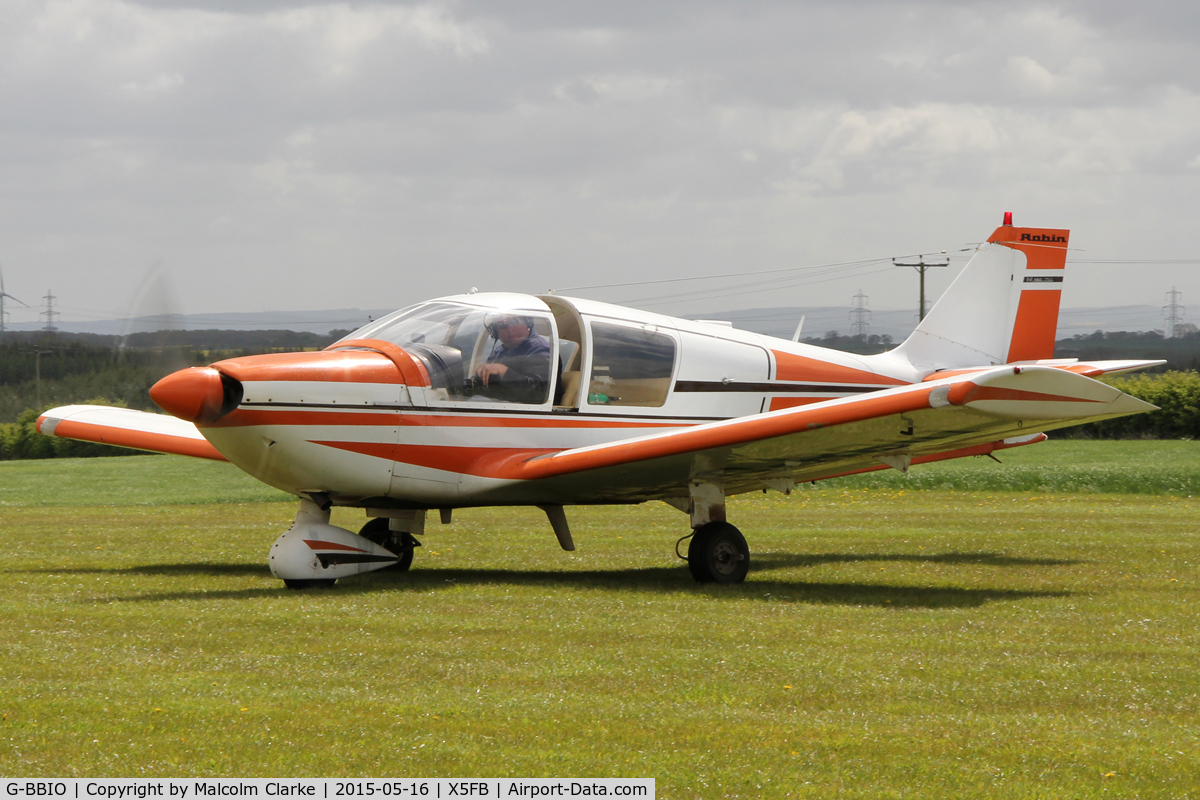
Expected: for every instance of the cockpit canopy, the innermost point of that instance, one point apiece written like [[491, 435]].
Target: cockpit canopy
[[454, 340]]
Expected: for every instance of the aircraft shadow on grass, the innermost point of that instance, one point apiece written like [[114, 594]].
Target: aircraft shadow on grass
[[663, 580], [788, 560], [200, 568]]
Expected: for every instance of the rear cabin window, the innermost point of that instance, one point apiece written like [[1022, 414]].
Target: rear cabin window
[[630, 366]]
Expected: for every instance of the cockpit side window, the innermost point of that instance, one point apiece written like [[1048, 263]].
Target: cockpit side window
[[515, 363]]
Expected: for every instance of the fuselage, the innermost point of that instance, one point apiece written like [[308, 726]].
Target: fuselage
[[394, 415]]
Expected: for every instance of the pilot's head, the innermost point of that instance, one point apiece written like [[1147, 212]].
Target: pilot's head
[[510, 329]]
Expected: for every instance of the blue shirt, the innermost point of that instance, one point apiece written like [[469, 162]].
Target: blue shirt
[[528, 372]]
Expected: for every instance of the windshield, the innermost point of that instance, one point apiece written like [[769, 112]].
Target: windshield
[[473, 353], [426, 322]]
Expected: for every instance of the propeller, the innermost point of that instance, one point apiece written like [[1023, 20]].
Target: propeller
[[153, 305]]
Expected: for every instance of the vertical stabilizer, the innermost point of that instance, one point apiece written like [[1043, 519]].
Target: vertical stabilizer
[[1002, 307]]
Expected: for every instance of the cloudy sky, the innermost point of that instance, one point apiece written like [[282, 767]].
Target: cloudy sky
[[289, 155]]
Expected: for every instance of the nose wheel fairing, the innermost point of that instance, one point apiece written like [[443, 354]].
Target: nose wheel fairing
[[312, 552]]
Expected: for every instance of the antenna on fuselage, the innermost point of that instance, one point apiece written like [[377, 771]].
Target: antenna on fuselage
[[800, 327]]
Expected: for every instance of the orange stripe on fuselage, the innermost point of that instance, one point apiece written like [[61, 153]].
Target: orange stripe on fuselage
[[791, 367], [482, 461]]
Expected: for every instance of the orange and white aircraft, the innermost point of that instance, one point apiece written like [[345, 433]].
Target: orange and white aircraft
[[396, 419]]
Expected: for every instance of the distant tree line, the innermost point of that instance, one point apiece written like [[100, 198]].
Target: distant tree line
[[1182, 351], [861, 344]]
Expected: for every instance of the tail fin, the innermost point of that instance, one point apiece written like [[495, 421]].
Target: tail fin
[[1003, 306]]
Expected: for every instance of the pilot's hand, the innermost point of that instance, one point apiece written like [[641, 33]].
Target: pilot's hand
[[486, 371]]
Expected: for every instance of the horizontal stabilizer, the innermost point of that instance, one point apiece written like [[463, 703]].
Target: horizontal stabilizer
[[1090, 369]]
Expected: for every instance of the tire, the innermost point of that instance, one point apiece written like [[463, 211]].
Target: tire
[[313, 583], [718, 554], [397, 542]]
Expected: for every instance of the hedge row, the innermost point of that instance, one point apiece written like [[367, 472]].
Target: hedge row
[[20, 440], [1177, 394]]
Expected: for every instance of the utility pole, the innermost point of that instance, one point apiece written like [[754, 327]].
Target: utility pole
[[921, 266], [1174, 312], [860, 315], [4, 294], [49, 313]]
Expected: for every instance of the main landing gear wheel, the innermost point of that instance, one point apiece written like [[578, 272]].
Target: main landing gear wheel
[[718, 554], [399, 542]]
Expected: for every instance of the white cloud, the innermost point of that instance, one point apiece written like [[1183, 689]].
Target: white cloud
[[164, 83], [1026, 75], [474, 141]]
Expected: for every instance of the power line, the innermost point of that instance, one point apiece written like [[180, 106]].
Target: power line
[[860, 315], [1174, 312], [742, 274], [49, 313], [791, 282], [921, 266]]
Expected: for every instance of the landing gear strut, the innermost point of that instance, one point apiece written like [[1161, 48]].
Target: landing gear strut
[[718, 554]]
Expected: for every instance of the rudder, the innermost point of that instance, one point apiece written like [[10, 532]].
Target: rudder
[[1036, 321]]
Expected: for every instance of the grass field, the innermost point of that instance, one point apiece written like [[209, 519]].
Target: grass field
[[890, 642]]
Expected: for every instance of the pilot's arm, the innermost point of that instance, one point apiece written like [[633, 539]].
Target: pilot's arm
[[521, 374]]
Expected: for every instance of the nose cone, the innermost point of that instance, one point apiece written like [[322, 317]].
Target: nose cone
[[196, 394]]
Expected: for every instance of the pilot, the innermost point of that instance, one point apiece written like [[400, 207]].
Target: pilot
[[518, 368]]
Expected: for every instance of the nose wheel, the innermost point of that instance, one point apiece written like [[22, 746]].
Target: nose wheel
[[718, 554]]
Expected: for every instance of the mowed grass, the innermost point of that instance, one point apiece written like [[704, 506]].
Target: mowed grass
[[888, 643]]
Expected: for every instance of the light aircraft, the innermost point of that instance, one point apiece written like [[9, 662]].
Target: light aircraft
[[410, 415]]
